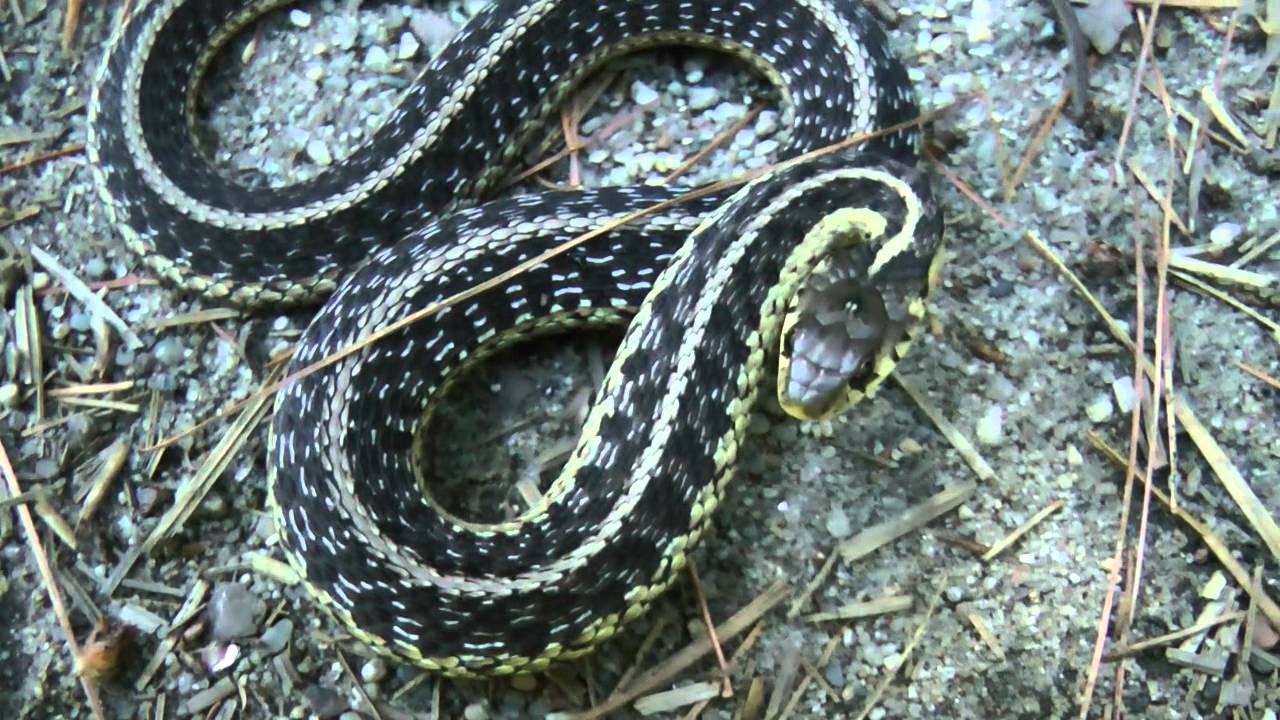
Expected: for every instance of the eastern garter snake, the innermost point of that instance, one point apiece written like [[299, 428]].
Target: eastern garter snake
[[712, 281]]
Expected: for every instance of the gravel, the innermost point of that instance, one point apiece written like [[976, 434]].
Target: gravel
[[1014, 358]]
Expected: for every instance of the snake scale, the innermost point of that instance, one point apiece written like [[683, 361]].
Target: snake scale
[[817, 270]]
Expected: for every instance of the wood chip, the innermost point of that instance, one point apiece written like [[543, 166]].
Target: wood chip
[[869, 608], [984, 631], [113, 462], [677, 698]]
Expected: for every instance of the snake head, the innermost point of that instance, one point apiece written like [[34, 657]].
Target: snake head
[[839, 343]]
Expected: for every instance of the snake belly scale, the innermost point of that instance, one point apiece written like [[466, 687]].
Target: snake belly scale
[[715, 291]]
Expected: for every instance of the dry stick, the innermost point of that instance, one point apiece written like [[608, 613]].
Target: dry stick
[[1206, 289], [70, 24], [34, 159], [726, 688], [674, 665], [1227, 474], [193, 490], [1161, 388], [50, 584], [81, 292], [803, 684], [1113, 574], [355, 680]]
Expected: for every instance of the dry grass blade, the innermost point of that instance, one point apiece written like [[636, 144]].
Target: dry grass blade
[[674, 699], [27, 342], [195, 317], [832, 643], [1223, 469], [1134, 648], [70, 24], [81, 292], [1256, 282], [727, 689], [916, 637], [1210, 291], [1035, 146], [1013, 537], [984, 631], [37, 159], [716, 142], [193, 489], [665, 671], [870, 608], [952, 433], [1216, 544], [1259, 374], [876, 536], [47, 576], [1230, 477], [1161, 198], [114, 461], [92, 389]]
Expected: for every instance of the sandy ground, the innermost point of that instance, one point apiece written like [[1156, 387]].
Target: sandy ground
[[1015, 359]]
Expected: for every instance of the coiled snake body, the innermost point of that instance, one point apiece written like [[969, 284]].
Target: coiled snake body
[[819, 267]]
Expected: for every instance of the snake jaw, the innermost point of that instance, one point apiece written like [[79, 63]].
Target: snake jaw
[[836, 342]]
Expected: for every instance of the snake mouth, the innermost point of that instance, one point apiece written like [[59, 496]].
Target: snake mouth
[[842, 329]]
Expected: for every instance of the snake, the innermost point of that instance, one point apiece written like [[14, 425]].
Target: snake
[[812, 277]]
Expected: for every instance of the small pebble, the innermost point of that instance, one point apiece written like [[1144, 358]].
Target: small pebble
[[834, 674], [1100, 409], [991, 426], [408, 47], [1074, 457], [475, 711], [299, 18], [9, 395], [168, 351], [701, 98], [277, 637], [838, 523], [377, 59], [374, 670], [319, 153], [642, 94], [766, 123], [1224, 233], [325, 702], [234, 611], [892, 661], [1123, 389]]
